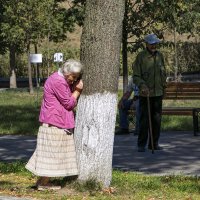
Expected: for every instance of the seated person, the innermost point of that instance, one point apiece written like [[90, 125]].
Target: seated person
[[125, 104]]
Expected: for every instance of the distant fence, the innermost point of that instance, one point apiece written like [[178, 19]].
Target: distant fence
[[21, 82]]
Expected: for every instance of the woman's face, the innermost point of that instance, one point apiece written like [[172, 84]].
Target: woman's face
[[71, 77]]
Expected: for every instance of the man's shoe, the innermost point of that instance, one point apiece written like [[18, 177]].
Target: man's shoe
[[122, 131], [158, 148], [155, 148], [136, 133], [141, 149], [133, 131]]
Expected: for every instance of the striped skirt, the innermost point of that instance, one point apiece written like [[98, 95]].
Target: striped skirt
[[55, 154]]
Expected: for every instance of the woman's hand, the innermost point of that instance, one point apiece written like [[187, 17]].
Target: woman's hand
[[79, 85], [78, 89]]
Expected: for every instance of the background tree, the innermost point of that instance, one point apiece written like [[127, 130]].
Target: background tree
[[160, 16], [96, 112], [2, 42], [144, 17], [27, 23]]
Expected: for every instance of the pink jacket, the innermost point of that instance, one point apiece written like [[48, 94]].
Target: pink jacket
[[58, 103]]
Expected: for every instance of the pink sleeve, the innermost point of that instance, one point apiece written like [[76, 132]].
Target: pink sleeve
[[63, 94]]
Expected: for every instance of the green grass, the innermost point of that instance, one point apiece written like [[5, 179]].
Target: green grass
[[178, 123], [19, 115], [20, 112], [15, 180]]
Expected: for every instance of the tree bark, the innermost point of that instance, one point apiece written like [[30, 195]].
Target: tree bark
[[13, 81], [96, 111], [175, 56], [124, 48], [37, 70]]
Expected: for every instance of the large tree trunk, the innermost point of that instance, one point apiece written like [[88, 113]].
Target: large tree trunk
[[37, 71], [96, 112], [13, 81], [124, 48], [175, 56]]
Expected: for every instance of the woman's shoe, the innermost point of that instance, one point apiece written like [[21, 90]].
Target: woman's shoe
[[48, 187]]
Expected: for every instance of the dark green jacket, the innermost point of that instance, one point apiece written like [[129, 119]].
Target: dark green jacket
[[149, 69]]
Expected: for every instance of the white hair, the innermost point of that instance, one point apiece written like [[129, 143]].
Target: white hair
[[72, 66]]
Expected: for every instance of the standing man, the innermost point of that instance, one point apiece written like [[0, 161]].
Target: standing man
[[125, 104], [150, 76]]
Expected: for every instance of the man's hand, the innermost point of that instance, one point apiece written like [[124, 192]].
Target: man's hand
[[144, 90]]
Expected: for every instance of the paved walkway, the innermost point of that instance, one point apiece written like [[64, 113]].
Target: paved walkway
[[181, 153]]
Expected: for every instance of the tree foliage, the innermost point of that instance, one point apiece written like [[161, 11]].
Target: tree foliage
[[2, 41], [29, 21], [158, 16], [146, 16]]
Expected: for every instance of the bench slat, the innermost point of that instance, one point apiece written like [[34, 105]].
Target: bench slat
[[178, 90], [182, 89], [185, 93], [173, 111], [181, 84], [186, 113], [173, 97], [177, 111]]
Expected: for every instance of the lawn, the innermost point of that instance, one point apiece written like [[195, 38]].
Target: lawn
[[20, 111], [15, 180], [19, 115]]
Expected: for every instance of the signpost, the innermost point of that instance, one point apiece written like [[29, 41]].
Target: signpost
[[36, 59], [58, 57]]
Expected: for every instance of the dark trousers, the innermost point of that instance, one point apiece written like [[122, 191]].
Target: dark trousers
[[123, 115], [156, 111]]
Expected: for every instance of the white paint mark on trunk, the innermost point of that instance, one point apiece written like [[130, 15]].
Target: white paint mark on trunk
[[94, 135]]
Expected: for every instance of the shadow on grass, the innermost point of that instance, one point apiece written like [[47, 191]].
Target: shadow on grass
[[5, 185], [177, 123], [169, 123], [22, 119], [12, 167]]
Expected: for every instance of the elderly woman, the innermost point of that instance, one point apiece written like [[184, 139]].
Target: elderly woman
[[55, 154]]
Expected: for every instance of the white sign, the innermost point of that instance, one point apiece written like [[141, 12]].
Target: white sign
[[36, 58], [58, 57]]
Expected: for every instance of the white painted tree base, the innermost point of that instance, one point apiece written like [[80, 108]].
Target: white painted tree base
[[94, 136]]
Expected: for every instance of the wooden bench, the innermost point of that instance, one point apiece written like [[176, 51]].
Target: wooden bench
[[182, 91]]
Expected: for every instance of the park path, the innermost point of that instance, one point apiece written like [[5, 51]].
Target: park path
[[180, 154]]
